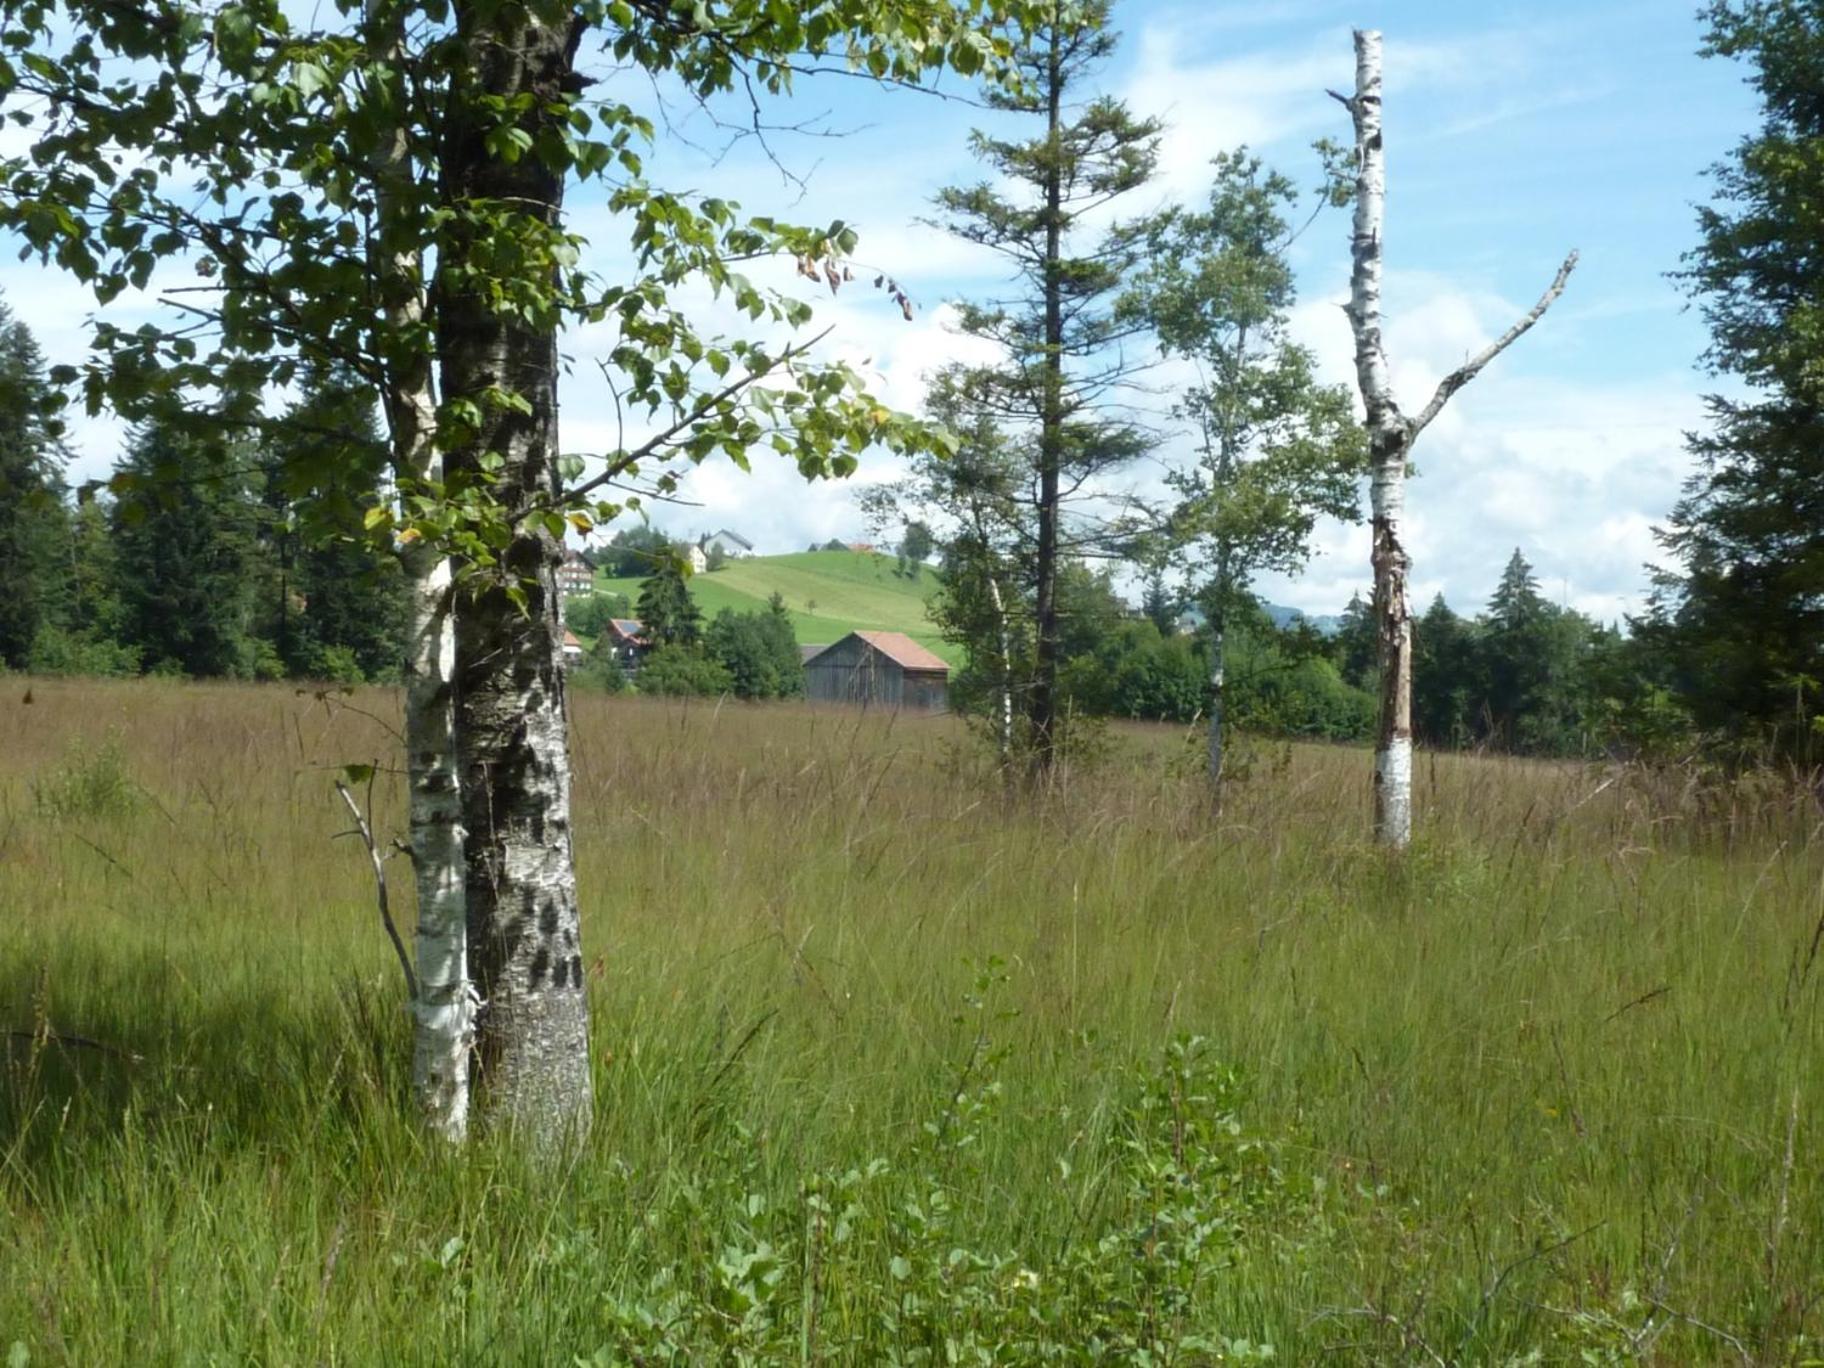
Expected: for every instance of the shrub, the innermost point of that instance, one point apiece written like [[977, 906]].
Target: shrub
[[89, 783], [683, 670], [59, 652]]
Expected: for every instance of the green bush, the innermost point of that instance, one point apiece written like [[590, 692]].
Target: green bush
[[89, 783], [683, 670], [56, 651], [759, 651], [876, 1263]]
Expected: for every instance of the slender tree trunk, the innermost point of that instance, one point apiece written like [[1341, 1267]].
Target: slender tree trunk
[[1391, 436], [1003, 737], [1390, 440], [1044, 706], [445, 1011], [1219, 659], [1393, 637], [525, 947]]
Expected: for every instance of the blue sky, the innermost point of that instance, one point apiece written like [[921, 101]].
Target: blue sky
[[1515, 132]]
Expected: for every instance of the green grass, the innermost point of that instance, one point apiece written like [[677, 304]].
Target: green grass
[[1546, 1091], [829, 595]]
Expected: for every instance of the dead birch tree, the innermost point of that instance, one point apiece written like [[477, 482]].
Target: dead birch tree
[[1391, 436]]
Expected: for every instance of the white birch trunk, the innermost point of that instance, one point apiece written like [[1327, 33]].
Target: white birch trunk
[[445, 1010], [1391, 436], [525, 938], [444, 1013], [1004, 722], [1218, 673]]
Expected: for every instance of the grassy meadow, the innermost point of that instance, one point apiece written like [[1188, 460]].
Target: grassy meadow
[[891, 1069], [827, 593]]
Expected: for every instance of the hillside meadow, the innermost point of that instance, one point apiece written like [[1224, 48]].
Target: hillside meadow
[[828, 594], [891, 1068]]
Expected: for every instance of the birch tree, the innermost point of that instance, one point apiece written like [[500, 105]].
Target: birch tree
[[1391, 436], [1276, 449], [972, 496], [285, 188]]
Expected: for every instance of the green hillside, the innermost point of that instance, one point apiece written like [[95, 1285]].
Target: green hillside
[[829, 594]]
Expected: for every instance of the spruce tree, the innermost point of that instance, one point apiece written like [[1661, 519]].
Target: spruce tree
[[185, 554], [1741, 616], [34, 522], [1058, 331], [668, 614], [337, 600]]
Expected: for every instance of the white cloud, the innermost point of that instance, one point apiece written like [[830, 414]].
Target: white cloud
[[1575, 472]]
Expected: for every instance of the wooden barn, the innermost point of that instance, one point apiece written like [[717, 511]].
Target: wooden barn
[[878, 669]]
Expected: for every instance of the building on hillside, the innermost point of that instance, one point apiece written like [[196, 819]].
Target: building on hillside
[[697, 558], [573, 649], [628, 642], [862, 548], [807, 650], [574, 576], [730, 544], [878, 669]]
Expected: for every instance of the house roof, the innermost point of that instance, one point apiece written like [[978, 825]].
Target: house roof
[[570, 641], [628, 629], [903, 651], [735, 537], [806, 651]]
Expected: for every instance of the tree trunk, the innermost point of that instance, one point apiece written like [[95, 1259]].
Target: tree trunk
[[1391, 436], [1390, 439], [1393, 635], [525, 947], [444, 1013], [1044, 706], [1003, 738], [1219, 649]]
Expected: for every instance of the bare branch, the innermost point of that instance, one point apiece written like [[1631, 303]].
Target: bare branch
[[1466, 372], [366, 834]]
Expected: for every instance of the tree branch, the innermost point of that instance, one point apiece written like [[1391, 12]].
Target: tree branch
[[618, 465], [366, 833], [1466, 372]]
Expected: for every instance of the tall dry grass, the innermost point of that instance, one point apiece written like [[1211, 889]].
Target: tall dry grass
[[1549, 1086]]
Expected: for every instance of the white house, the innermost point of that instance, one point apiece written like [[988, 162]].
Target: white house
[[574, 577], [730, 544], [698, 558]]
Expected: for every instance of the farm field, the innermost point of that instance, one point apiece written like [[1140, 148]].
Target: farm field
[[828, 593], [892, 1068]]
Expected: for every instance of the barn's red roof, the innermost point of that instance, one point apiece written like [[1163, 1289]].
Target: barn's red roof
[[904, 651]]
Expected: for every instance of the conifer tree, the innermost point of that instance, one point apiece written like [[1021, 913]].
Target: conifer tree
[[34, 522], [185, 554], [1061, 370], [1740, 617]]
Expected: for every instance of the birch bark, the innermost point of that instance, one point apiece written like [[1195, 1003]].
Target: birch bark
[[444, 1011], [525, 946], [1218, 673], [1003, 738], [1391, 436]]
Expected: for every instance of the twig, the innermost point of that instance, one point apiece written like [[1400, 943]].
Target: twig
[[1643, 999], [366, 834], [77, 1042]]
